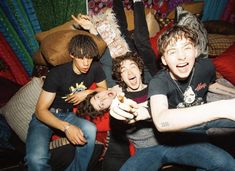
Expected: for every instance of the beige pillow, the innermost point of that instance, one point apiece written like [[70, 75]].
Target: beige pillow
[[54, 46], [19, 109], [39, 59], [66, 26]]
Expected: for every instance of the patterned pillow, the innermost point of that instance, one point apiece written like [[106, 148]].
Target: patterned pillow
[[163, 22], [218, 43], [186, 18], [19, 109]]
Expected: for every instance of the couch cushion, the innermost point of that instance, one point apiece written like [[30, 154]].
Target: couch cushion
[[218, 43], [19, 109], [225, 63], [54, 47]]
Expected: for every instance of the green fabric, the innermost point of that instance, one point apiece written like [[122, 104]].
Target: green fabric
[[52, 13]]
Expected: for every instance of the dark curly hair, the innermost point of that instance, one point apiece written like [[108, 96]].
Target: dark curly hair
[[81, 46], [116, 68], [173, 34], [85, 108]]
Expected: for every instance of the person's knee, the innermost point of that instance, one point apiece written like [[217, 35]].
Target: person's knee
[[222, 163], [36, 162], [89, 130]]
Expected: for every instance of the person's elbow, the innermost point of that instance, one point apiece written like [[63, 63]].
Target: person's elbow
[[39, 111]]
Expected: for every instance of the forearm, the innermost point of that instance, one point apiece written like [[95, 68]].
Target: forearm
[[49, 119], [179, 119]]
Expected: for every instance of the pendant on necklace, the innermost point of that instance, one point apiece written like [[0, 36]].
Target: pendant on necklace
[[189, 95]]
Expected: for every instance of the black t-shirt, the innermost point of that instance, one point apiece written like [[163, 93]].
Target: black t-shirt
[[60, 79], [162, 83]]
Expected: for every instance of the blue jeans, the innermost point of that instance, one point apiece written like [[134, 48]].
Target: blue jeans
[[203, 156], [37, 144], [219, 123]]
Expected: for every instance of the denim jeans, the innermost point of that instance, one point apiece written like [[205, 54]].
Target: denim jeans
[[37, 144], [219, 123], [203, 156]]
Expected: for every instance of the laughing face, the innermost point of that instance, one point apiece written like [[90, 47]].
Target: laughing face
[[102, 100], [179, 56], [131, 75]]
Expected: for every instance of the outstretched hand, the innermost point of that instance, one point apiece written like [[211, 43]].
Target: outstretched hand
[[128, 111]]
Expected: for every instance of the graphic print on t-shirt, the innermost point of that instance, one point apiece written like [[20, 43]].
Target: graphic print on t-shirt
[[190, 99], [77, 88]]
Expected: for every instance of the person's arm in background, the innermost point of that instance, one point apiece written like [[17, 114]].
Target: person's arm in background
[[222, 89], [142, 40], [120, 16], [73, 133], [166, 119]]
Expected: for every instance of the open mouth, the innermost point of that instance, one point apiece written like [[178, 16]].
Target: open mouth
[[132, 78], [133, 81], [110, 94], [182, 65]]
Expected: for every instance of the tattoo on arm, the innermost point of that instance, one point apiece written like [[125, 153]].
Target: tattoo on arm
[[165, 124]]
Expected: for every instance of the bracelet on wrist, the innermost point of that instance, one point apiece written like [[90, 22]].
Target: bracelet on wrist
[[66, 128]]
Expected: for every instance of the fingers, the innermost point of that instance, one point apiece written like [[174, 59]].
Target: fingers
[[75, 18], [130, 102], [73, 99], [123, 110], [127, 107], [76, 136], [120, 114], [116, 116]]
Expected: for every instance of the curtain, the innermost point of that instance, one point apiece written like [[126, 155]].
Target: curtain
[[213, 9], [18, 26], [229, 12]]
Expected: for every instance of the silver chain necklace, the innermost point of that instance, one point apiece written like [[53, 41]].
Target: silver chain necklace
[[188, 94]]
